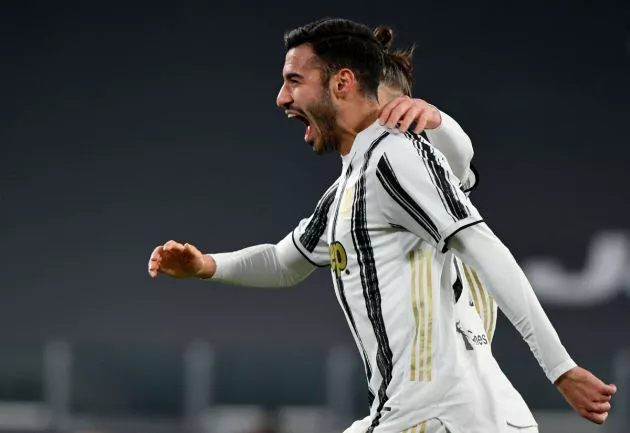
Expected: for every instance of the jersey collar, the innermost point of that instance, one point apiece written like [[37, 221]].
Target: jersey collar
[[362, 141]]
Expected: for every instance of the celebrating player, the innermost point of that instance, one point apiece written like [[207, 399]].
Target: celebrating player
[[383, 228]]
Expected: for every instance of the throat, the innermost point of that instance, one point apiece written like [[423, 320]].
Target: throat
[[354, 118], [348, 131]]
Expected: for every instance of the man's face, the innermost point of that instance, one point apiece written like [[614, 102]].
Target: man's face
[[305, 97]]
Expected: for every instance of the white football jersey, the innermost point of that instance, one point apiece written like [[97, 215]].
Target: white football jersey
[[382, 227]]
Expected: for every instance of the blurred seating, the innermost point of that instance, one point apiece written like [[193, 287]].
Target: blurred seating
[[117, 380]]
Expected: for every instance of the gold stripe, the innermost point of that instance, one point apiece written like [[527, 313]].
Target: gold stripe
[[404, 431], [429, 314], [422, 319], [491, 329], [472, 289], [423, 427], [413, 430], [482, 294], [414, 306]]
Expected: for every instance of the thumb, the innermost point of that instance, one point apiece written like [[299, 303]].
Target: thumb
[[191, 249]]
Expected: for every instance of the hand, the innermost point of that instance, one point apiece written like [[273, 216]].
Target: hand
[[180, 261], [403, 111], [587, 395]]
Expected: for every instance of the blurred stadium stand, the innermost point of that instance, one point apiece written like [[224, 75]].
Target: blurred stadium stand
[[201, 389]]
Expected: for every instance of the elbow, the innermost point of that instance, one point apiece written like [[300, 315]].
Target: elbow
[[466, 153], [467, 150]]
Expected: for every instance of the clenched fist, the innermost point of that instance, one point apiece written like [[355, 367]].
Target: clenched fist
[[589, 396]]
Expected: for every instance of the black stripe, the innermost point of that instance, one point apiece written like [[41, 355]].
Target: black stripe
[[342, 293], [423, 134], [303, 254], [387, 177], [457, 285], [317, 225], [476, 184], [441, 178], [418, 141], [442, 182], [398, 226], [369, 281], [445, 248]]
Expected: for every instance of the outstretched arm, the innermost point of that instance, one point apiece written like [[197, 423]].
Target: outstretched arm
[[266, 265], [269, 265], [478, 246], [428, 203]]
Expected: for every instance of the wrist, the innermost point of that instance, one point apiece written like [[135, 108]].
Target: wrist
[[436, 119], [208, 267], [565, 375]]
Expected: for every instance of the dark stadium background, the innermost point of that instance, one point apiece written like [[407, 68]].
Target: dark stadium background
[[125, 124]]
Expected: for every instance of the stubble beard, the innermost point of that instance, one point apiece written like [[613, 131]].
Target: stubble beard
[[324, 115]]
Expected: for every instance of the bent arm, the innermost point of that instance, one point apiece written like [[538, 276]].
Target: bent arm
[[479, 247], [450, 139]]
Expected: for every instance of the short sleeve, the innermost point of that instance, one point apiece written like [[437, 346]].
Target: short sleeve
[[419, 192], [309, 236]]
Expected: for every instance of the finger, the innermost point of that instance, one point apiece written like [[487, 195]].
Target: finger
[[398, 112], [411, 115], [598, 407], [387, 109], [421, 123], [154, 260], [392, 114], [172, 246], [602, 398], [167, 245], [609, 389], [604, 407], [155, 254], [597, 418], [153, 269], [191, 249]]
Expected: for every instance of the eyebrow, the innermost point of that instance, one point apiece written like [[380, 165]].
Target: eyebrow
[[290, 75]]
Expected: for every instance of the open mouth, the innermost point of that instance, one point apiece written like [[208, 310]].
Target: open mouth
[[298, 116]]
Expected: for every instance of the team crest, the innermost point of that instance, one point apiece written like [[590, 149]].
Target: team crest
[[338, 258]]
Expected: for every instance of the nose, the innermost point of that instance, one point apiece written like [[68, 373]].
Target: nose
[[284, 99]]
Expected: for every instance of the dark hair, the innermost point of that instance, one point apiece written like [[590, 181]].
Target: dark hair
[[398, 65], [341, 43]]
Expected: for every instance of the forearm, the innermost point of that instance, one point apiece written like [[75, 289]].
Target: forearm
[[450, 139], [480, 248], [267, 265]]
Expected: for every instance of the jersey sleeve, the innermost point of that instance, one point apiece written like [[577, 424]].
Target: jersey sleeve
[[309, 236], [450, 139], [265, 265], [481, 249], [419, 193]]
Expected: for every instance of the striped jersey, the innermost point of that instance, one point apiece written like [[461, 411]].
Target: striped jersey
[[382, 227], [470, 284]]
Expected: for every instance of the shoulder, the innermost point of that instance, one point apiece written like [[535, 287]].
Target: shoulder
[[329, 194], [401, 150]]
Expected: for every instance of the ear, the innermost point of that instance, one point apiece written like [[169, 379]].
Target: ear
[[344, 82]]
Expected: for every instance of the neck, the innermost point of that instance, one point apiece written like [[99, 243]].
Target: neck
[[354, 118]]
